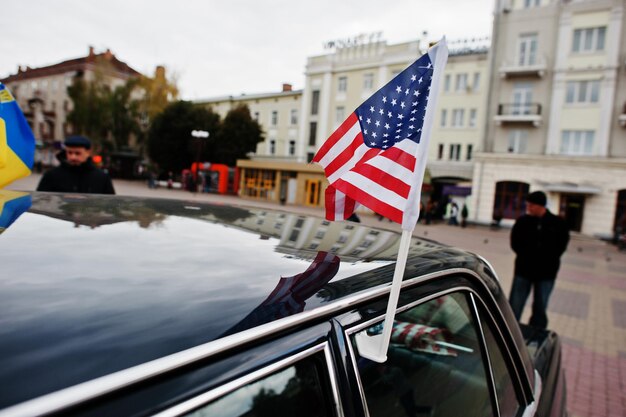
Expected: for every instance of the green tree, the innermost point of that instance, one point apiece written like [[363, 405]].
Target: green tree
[[238, 135], [157, 93], [90, 114], [107, 116], [124, 114], [170, 144]]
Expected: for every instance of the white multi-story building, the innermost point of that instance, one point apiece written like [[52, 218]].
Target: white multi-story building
[[277, 113], [556, 113], [338, 82]]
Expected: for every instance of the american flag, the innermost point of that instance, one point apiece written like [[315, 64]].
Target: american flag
[[377, 156]]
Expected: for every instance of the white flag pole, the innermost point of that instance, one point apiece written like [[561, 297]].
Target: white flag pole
[[375, 347]]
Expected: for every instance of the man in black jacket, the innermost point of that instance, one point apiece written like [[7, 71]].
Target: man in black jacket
[[77, 173], [538, 238]]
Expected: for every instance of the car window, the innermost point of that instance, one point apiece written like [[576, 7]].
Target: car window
[[507, 399], [434, 364], [298, 390]]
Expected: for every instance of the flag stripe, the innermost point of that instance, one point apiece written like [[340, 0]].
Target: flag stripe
[[362, 155], [346, 159], [368, 200], [400, 157], [338, 141], [382, 177], [381, 192], [398, 171]]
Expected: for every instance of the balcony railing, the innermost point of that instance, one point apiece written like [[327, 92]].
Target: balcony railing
[[622, 117], [536, 68], [519, 113]]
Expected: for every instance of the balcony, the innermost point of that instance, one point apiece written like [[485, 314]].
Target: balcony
[[519, 113], [535, 68], [622, 117]]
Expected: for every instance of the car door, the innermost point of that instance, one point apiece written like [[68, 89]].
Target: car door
[[447, 356], [279, 373]]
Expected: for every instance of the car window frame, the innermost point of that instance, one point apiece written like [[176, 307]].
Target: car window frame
[[518, 377], [205, 398]]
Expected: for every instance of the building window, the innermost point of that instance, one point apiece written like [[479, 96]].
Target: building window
[[582, 92], [293, 119], [455, 151], [527, 50], [292, 147], [476, 82], [256, 116], [457, 117], [440, 151], [342, 84], [522, 98], [446, 84], [470, 148], [444, 116], [315, 102], [577, 142], [509, 199], [274, 121], [368, 82], [312, 133], [472, 118], [272, 147], [340, 114], [531, 3], [309, 156], [461, 83], [589, 39], [517, 141]]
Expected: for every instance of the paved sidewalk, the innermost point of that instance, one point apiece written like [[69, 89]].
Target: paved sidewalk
[[587, 308]]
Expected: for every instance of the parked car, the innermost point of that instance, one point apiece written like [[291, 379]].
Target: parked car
[[117, 306]]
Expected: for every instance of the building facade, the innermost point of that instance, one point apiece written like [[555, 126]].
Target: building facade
[[555, 113], [42, 94], [275, 172], [277, 113], [338, 82]]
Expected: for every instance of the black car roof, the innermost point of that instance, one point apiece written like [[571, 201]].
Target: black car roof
[[95, 284]]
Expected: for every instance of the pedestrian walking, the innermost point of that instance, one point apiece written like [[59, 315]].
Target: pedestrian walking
[[464, 215], [453, 214], [538, 239]]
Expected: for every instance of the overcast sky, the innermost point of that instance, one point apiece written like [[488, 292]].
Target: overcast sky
[[221, 47]]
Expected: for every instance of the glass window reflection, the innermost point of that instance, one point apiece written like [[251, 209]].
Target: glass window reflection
[[434, 364], [299, 390]]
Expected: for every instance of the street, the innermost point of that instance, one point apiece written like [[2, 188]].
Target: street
[[587, 308]]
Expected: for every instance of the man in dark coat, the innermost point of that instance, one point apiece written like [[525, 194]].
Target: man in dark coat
[[538, 238], [77, 172]]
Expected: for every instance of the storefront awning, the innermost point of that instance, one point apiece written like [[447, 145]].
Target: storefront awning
[[572, 188]]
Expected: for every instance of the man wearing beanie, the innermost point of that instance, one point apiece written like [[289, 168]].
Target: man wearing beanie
[[538, 238], [77, 173]]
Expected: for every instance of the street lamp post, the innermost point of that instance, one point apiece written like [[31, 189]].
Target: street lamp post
[[200, 134]]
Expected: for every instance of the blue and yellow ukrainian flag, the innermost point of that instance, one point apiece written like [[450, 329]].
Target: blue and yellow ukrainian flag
[[17, 142], [12, 205]]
